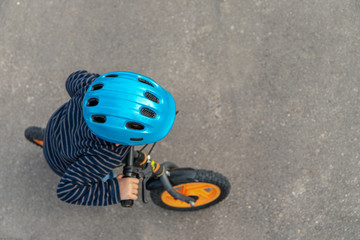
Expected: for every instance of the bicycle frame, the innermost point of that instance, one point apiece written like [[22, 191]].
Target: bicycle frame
[[155, 176]]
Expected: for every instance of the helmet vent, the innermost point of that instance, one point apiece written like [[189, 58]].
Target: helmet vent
[[111, 75], [92, 102], [98, 118], [97, 87], [144, 81], [151, 97], [148, 112], [136, 139], [135, 126]]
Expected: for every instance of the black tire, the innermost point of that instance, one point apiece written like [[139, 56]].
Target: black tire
[[202, 176]]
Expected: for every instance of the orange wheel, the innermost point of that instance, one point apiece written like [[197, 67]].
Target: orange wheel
[[204, 193], [35, 135], [207, 188]]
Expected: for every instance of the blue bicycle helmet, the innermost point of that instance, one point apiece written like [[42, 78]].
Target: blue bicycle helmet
[[128, 108]]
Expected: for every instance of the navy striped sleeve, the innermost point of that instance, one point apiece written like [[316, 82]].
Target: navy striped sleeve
[[78, 80], [82, 182]]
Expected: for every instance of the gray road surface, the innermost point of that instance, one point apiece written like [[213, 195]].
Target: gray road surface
[[268, 92]]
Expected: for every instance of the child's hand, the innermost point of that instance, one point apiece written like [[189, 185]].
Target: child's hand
[[128, 187]]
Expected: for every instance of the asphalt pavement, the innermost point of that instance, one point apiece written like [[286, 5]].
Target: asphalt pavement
[[268, 93]]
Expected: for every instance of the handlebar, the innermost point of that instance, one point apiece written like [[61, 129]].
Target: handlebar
[[128, 173]]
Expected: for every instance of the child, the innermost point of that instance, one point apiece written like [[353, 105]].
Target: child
[[91, 134]]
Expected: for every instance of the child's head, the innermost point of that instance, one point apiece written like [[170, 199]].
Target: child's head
[[128, 108]]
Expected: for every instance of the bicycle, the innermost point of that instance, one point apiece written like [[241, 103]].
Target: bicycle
[[174, 188]]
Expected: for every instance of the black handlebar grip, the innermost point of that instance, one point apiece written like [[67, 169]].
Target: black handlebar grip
[[128, 172], [127, 203]]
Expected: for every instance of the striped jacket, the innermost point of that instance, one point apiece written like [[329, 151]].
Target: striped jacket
[[80, 158]]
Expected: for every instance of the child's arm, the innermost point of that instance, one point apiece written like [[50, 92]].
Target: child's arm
[[79, 80], [82, 182]]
